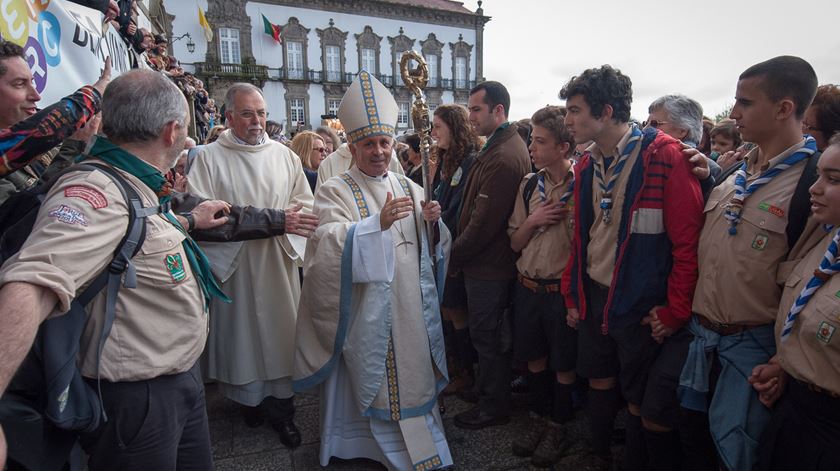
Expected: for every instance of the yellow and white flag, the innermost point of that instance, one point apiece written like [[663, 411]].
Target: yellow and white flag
[[202, 20]]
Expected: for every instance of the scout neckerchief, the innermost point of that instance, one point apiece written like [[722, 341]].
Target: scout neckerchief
[[607, 187], [109, 152], [742, 191], [564, 198], [828, 267], [494, 136]]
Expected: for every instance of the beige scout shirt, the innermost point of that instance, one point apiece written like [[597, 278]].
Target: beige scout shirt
[[812, 351], [546, 254], [737, 281], [160, 326], [603, 238]]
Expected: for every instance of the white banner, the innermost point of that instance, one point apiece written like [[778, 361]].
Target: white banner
[[63, 43]]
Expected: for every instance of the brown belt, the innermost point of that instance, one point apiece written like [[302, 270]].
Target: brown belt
[[725, 329], [539, 286]]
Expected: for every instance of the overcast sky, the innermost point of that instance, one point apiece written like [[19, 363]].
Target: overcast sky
[[697, 48]]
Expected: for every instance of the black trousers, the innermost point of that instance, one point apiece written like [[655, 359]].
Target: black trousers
[[158, 424], [487, 301]]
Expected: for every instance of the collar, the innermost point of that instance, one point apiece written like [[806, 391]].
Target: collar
[[245, 143], [753, 155]]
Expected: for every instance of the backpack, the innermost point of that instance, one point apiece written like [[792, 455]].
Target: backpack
[[800, 202], [527, 192], [48, 401]]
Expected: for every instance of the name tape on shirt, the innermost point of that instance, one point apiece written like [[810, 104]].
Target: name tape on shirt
[[774, 210], [93, 196]]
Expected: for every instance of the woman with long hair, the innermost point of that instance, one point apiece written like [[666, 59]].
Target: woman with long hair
[[311, 150], [457, 144]]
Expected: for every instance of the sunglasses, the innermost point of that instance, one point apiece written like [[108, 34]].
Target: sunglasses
[[322, 150], [654, 123]]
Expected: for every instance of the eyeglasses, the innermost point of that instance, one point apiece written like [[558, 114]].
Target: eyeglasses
[[655, 123], [248, 114], [322, 150]]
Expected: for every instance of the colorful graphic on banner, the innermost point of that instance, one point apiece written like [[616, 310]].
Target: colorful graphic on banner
[[63, 44]]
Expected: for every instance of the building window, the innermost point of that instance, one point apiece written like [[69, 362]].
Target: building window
[[332, 106], [369, 60], [297, 112], [294, 60], [402, 115], [333, 54], [460, 72], [432, 62], [229, 46]]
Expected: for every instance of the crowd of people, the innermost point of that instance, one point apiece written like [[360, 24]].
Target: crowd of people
[[678, 267]]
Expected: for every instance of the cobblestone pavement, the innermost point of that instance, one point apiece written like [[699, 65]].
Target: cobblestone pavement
[[237, 447]]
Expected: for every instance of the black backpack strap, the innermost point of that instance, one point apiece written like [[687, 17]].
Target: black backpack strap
[[528, 191], [800, 202]]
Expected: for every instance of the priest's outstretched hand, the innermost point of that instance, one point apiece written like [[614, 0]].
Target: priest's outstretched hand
[[393, 210], [300, 223]]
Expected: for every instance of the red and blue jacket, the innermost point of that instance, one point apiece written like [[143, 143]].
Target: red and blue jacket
[[656, 254]]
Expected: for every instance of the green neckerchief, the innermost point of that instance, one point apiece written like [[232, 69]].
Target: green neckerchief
[[494, 136], [111, 153]]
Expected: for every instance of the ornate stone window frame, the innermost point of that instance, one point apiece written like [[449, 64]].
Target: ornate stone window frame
[[333, 91], [460, 49], [294, 31], [333, 36], [299, 91], [367, 39], [227, 14], [399, 44], [432, 47]]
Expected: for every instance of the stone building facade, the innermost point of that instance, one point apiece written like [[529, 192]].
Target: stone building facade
[[324, 44]]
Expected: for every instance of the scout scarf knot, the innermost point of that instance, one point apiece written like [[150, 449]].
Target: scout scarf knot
[[742, 191], [828, 267], [109, 152], [607, 187]]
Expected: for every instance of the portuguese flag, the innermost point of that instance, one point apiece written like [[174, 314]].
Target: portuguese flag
[[271, 29]]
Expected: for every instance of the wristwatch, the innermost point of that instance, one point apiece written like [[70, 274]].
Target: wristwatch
[[190, 221]]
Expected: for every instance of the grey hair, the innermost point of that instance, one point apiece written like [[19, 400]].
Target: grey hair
[[684, 113], [139, 103], [238, 88]]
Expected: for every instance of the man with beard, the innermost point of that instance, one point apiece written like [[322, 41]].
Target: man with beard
[[251, 345]]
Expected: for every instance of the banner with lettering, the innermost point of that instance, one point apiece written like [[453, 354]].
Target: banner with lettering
[[63, 42]]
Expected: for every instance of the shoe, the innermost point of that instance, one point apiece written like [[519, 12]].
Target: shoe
[[551, 447], [476, 419], [253, 416], [289, 433], [519, 384], [525, 444]]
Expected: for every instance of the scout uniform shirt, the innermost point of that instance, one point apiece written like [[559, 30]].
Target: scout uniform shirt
[[603, 237], [737, 281], [546, 254], [160, 326], [811, 353]]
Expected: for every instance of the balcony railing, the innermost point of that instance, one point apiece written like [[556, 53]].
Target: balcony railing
[[216, 69], [295, 74]]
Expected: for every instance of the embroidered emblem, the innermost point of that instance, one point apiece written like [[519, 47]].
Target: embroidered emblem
[[456, 178], [393, 385], [837, 294], [361, 204], [431, 463], [91, 195], [175, 265], [825, 332], [774, 210], [760, 242], [69, 215]]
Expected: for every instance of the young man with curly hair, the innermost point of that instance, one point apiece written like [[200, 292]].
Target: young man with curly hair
[[633, 263]]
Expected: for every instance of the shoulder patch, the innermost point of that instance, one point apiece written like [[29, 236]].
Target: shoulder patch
[[68, 215], [93, 196]]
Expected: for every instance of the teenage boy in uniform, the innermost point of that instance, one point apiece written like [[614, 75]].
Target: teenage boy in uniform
[[742, 248], [541, 232], [633, 264]]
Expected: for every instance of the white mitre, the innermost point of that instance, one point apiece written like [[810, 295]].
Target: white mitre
[[367, 109]]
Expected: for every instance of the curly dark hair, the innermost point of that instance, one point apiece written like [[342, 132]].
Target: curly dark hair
[[551, 118], [601, 87], [7, 51], [464, 138], [827, 106]]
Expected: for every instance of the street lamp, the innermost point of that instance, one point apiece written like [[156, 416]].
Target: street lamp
[[190, 43]]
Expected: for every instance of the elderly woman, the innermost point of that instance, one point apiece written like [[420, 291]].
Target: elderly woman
[[457, 146], [804, 432], [331, 140], [311, 149], [677, 116]]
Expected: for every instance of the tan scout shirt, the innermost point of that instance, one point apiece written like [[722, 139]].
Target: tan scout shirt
[[812, 351], [603, 238], [160, 326], [546, 254], [737, 273]]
